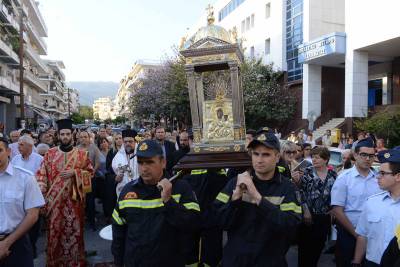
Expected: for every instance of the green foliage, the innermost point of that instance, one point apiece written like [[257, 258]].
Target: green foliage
[[384, 125], [86, 112], [77, 118], [266, 101], [163, 93], [119, 120]]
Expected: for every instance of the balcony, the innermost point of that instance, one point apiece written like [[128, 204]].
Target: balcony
[[7, 54], [34, 81], [54, 94], [40, 44], [8, 86], [34, 56], [36, 17], [7, 17]]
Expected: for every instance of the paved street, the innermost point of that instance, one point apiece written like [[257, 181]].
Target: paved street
[[102, 247]]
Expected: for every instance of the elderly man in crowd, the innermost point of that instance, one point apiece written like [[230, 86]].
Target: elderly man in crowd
[[14, 136], [27, 159]]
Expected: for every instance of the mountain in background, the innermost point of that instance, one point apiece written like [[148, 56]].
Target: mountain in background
[[90, 91]]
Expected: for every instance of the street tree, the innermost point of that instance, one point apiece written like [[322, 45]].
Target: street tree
[[267, 101]]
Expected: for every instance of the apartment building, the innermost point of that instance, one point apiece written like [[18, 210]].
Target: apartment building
[[103, 109], [139, 70], [56, 96]]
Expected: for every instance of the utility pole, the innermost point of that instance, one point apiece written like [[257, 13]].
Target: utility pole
[[21, 69], [69, 104]]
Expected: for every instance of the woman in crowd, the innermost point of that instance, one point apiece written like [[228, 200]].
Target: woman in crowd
[[315, 187], [110, 197], [85, 143], [289, 152], [100, 175]]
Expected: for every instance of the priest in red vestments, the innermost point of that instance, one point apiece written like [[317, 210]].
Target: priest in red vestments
[[64, 178]]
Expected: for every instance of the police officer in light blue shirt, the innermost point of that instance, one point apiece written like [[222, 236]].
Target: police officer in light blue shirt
[[20, 200], [349, 194], [381, 213]]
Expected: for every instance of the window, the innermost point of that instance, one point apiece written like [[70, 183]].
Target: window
[[247, 23], [230, 7], [243, 26], [252, 21], [252, 52], [268, 46], [268, 10]]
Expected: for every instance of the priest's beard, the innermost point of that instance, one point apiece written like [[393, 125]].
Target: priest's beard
[[66, 145], [129, 150]]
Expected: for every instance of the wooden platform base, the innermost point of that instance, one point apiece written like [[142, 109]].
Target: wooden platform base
[[214, 160]]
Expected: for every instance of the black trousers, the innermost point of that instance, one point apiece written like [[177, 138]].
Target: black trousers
[[370, 264], [312, 240], [34, 233], [346, 244], [110, 195], [206, 244], [91, 204], [21, 254]]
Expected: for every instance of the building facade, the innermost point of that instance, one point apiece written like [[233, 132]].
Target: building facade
[[73, 97], [56, 96], [350, 57], [43, 80], [103, 109], [139, 70], [259, 24]]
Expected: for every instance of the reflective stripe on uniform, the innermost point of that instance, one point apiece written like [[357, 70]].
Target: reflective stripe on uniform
[[198, 172], [140, 203], [192, 265], [177, 197], [192, 206], [117, 219], [291, 206], [281, 169], [145, 204], [224, 198], [221, 172]]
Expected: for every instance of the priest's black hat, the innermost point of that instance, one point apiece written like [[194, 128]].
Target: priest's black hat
[[129, 133], [64, 124]]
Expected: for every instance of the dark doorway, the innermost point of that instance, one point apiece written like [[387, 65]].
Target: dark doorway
[[374, 93]]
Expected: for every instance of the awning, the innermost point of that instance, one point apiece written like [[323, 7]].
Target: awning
[[41, 113]]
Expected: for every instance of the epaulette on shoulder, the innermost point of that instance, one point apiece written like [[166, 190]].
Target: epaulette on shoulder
[[23, 170], [376, 195], [281, 169]]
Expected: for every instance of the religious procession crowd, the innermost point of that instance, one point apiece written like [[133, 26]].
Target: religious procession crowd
[[231, 217]]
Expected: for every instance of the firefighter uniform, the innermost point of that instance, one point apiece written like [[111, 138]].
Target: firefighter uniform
[[259, 235], [204, 247], [146, 231]]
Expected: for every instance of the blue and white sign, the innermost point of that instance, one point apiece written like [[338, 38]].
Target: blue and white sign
[[334, 43]]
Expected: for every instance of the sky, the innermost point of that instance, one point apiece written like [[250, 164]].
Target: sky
[[99, 40]]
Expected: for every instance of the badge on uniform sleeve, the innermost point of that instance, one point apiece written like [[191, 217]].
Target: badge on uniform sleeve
[[262, 137], [131, 195], [143, 147], [387, 155]]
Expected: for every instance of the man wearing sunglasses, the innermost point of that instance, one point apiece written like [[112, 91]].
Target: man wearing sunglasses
[[381, 213], [349, 194]]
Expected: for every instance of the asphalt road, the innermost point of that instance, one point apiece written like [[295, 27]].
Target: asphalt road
[[94, 243]]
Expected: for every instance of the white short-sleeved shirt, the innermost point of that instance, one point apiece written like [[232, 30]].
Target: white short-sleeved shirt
[[351, 190], [19, 192], [31, 164], [377, 223]]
